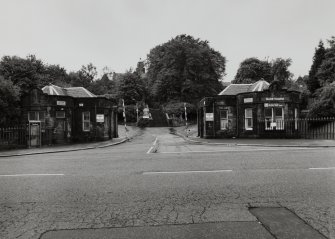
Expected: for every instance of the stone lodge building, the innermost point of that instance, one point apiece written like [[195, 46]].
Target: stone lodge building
[[250, 111]]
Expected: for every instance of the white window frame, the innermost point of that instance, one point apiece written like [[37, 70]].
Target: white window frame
[[224, 121], [246, 118], [274, 119], [295, 118], [86, 121]]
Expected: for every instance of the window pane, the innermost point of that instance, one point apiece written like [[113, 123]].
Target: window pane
[[86, 116], [268, 112], [223, 114], [224, 124], [278, 112], [248, 113]]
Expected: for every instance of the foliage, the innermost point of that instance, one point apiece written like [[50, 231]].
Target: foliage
[[319, 55], [178, 108], [252, 70], [24, 73], [103, 86], [85, 76], [279, 70], [326, 71], [184, 69], [324, 105], [131, 88], [9, 101]]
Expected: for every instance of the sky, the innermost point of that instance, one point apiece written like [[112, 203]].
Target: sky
[[118, 33]]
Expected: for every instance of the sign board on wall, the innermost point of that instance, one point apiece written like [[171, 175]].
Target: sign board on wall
[[209, 116], [100, 118], [274, 98], [267, 105], [60, 102], [248, 100]]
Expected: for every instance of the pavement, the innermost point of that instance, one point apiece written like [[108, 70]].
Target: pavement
[[190, 134], [123, 137]]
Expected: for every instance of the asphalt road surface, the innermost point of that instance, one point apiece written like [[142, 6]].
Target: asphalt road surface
[[192, 187]]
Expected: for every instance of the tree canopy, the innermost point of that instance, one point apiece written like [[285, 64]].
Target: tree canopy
[[313, 83], [252, 69], [184, 69]]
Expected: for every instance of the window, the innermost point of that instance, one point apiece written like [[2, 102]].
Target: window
[[248, 122], [60, 114], [274, 118], [86, 121], [223, 119]]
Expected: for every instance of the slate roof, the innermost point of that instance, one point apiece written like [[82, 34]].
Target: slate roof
[[76, 92], [235, 89]]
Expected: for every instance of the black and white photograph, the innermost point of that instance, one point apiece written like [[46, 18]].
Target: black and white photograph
[[167, 119]]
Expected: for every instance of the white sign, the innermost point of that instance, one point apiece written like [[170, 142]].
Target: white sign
[[61, 102], [81, 104], [209, 117], [248, 100], [100, 118], [279, 98], [274, 124], [267, 105]]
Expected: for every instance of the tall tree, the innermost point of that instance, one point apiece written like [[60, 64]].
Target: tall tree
[[319, 55], [9, 101], [131, 88], [326, 72], [184, 69], [24, 73], [279, 70], [252, 70], [85, 76]]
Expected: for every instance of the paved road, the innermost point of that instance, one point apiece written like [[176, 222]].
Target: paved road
[[182, 183]]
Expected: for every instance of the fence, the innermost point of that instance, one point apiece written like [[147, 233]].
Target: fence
[[15, 136], [309, 128]]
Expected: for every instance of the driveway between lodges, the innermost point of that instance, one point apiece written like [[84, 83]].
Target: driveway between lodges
[[123, 137], [190, 135]]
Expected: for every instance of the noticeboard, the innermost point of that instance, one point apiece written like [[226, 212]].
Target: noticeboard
[[100, 118], [209, 116]]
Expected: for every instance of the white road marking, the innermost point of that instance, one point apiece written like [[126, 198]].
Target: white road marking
[[185, 172], [237, 150], [152, 147], [322, 168], [32, 175]]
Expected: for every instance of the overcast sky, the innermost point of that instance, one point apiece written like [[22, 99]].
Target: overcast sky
[[117, 33]]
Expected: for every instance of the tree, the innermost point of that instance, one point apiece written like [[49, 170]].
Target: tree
[[24, 73], [131, 88], [279, 70], [324, 105], [252, 70], [184, 69], [319, 55], [103, 86], [85, 76], [56, 75], [9, 101], [326, 72]]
